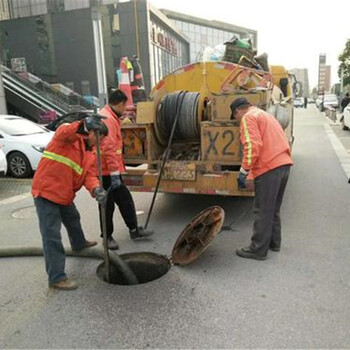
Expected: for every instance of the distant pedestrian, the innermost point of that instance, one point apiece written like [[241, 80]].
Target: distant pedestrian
[[267, 159], [305, 102], [345, 101]]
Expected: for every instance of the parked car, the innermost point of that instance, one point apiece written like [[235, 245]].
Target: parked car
[[3, 163], [23, 143], [298, 102], [329, 101], [318, 101], [346, 118], [310, 100]]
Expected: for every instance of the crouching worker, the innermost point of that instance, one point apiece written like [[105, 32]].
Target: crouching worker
[[67, 164]]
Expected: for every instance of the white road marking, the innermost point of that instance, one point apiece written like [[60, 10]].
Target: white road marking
[[15, 198], [339, 149]]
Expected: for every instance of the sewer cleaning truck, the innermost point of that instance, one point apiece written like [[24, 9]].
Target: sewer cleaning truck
[[205, 154]]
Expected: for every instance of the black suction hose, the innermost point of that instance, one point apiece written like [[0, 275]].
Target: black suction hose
[[93, 252], [166, 153]]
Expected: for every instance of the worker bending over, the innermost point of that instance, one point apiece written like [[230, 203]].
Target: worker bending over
[[67, 164], [112, 169], [267, 160]]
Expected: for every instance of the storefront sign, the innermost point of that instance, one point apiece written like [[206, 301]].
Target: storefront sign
[[163, 41]]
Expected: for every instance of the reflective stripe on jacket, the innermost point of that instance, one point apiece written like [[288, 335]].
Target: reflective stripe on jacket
[[63, 160], [65, 167], [265, 145], [112, 144]]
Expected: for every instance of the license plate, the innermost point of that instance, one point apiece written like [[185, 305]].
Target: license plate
[[179, 171]]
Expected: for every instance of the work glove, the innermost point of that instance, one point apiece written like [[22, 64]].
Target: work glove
[[116, 181], [242, 177], [100, 195]]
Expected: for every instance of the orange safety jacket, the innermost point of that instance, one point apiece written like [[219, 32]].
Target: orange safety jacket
[[65, 167], [264, 141], [112, 144]]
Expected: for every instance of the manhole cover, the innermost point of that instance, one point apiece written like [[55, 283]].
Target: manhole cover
[[24, 213]]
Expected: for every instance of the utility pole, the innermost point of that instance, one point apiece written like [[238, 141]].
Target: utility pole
[[341, 83], [3, 106], [99, 57]]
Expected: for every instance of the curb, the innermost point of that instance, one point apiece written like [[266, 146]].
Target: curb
[[14, 199], [340, 150]]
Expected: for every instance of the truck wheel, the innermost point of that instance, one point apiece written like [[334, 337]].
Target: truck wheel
[[18, 165]]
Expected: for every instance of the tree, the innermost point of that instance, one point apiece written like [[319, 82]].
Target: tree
[[344, 59]]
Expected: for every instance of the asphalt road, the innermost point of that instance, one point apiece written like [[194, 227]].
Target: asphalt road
[[298, 298]]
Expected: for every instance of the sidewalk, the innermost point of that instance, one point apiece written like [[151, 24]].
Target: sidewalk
[[10, 187]]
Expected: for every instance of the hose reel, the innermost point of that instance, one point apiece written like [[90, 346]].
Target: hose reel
[[188, 127]]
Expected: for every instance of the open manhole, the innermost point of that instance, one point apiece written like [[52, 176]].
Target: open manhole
[[192, 242], [146, 266]]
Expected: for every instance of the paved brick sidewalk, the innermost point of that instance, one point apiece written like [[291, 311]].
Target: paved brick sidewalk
[[10, 187]]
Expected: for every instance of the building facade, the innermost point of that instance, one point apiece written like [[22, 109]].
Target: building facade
[[63, 48], [324, 75], [79, 43], [5, 10], [28, 8], [202, 33], [145, 31], [81, 47]]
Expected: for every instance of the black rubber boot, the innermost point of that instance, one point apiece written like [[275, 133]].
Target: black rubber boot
[[249, 254], [140, 232], [274, 248], [112, 244]]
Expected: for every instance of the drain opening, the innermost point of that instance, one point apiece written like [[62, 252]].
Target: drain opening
[[146, 266]]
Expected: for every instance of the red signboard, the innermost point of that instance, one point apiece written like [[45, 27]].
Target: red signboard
[[164, 41]]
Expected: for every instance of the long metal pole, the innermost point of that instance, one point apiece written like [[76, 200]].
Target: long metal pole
[[102, 207], [137, 30], [165, 158], [3, 106]]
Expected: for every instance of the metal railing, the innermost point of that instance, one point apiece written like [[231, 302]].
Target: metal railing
[[45, 90]]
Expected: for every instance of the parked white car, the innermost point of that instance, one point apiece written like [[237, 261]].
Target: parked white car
[[23, 143], [298, 102], [3, 163], [346, 118], [329, 101]]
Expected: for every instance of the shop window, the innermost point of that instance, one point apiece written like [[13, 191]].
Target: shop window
[[76, 4], [85, 87], [70, 85], [54, 6]]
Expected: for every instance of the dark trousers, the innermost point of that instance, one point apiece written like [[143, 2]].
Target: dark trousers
[[51, 216], [122, 197], [269, 191]]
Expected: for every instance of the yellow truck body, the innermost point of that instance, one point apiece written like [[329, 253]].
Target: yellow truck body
[[211, 161]]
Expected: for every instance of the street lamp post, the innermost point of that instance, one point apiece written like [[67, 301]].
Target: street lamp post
[[3, 106]]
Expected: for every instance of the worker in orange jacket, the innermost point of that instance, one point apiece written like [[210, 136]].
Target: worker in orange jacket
[[112, 169], [267, 160], [67, 164]]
